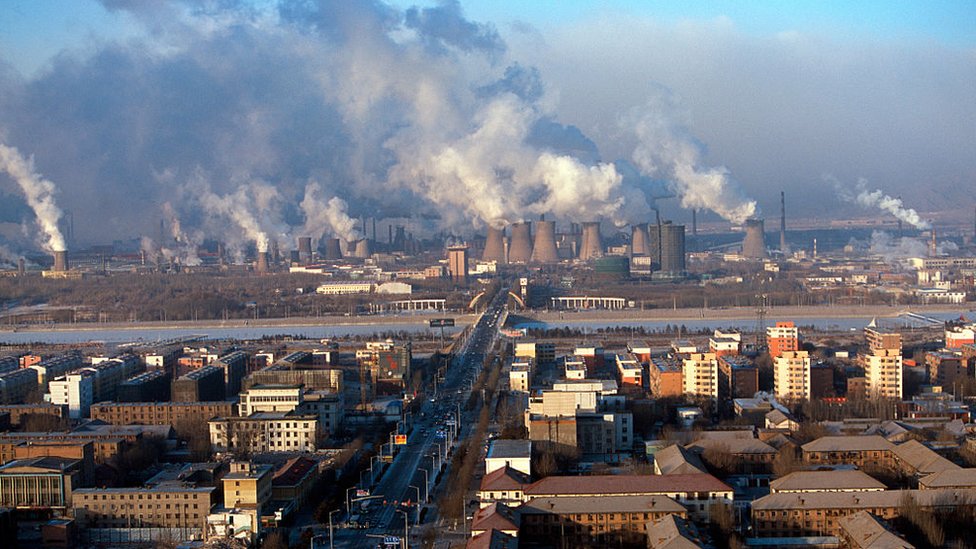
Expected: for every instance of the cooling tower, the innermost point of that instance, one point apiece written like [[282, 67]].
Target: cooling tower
[[754, 242], [305, 249], [520, 250], [60, 261], [592, 247], [261, 264], [333, 249], [638, 239], [362, 249], [544, 250], [672, 240], [494, 245]]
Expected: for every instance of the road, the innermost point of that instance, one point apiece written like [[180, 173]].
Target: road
[[424, 447]]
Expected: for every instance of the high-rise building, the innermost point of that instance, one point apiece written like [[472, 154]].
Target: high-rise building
[[457, 263], [782, 338], [76, 391], [882, 364], [791, 375], [701, 374]]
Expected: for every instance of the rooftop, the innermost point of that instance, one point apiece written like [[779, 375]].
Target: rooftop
[[866, 531], [848, 444], [501, 449], [673, 532], [675, 460], [609, 485], [862, 500], [950, 478], [822, 481], [922, 458], [605, 504]]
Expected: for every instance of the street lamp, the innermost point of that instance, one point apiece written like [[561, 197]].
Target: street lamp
[[417, 520], [348, 508], [426, 482], [406, 529], [330, 528]]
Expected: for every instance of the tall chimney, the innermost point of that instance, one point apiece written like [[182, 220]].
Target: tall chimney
[[374, 229], [638, 239], [521, 249], [60, 261], [782, 221], [261, 264], [21, 267], [592, 246], [305, 249], [494, 246], [333, 249], [544, 250], [754, 242]]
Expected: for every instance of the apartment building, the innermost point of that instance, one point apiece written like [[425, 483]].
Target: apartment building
[[883, 373], [520, 376], [665, 377], [539, 351], [791, 375], [265, 432], [204, 384], [781, 338], [701, 374], [591, 522], [629, 371], [738, 377], [161, 413], [167, 505], [76, 391], [16, 385], [109, 373], [151, 386]]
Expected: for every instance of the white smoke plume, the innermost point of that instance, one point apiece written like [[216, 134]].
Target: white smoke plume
[[891, 249], [665, 150], [183, 246], [235, 207], [330, 216], [39, 193], [860, 195]]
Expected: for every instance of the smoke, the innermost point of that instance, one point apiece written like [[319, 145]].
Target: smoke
[[236, 207], [877, 199], [892, 249], [39, 193], [666, 150], [330, 216], [183, 246]]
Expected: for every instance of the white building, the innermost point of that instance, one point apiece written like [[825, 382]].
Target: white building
[[269, 398], [516, 454], [265, 432], [700, 372], [76, 391], [343, 288], [520, 377], [791, 375], [883, 373]]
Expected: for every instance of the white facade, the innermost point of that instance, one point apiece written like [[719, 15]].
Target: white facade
[[265, 432], [883, 373], [516, 454], [269, 398], [791, 375], [76, 391], [519, 377], [701, 374], [328, 407]]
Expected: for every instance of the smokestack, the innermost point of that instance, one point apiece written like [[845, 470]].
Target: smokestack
[[374, 229], [275, 253], [494, 246], [21, 267], [389, 229], [261, 264], [782, 221], [694, 222], [638, 239], [305, 249], [754, 242], [814, 248], [362, 249], [592, 246], [933, 247], [60, 261], [333, 249], [544, 250], [521, 249]]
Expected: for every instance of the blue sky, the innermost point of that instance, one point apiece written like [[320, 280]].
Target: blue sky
[[32, 31]]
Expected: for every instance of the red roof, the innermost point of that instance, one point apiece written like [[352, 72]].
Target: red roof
[[504, 478], [496, 516], [293, 471], [625, 484]]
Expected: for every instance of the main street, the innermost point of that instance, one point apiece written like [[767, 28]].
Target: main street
[[404, 479]]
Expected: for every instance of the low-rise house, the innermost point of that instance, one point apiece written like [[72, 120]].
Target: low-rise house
[[862, 530], [496, 516], [849, 480], [676, 460], [673, 532], [593, 521]]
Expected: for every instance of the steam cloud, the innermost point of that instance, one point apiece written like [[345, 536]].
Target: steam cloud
[[877, 199], [330, 216], [666, 150], [378, 108], [39, 193]]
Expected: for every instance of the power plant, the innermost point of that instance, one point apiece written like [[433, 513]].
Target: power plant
[[361, 249], [494, 246], [333, 249], [638, 239], [520, 250], [544, 250], [60, 261], [592, 246], [754, 242], [667, 249], [261, 263], [305, 249]]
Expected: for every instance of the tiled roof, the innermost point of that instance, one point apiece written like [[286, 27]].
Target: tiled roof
[[608, 485], [492, 539], [866, 532], [293, 471], [676, 460], [861, 500], [820, 481], [496, 516], [504, 478], [848, 444], [950, 478], [672, 532], [606, 504], [922, 458], [733, 445]]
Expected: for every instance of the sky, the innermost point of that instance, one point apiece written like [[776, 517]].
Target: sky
[[177, 110]]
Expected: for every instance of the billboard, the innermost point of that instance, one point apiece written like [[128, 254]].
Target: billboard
[[400, 440], [441, 322]]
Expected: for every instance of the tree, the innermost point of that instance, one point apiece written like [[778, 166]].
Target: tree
[[275, 540]]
